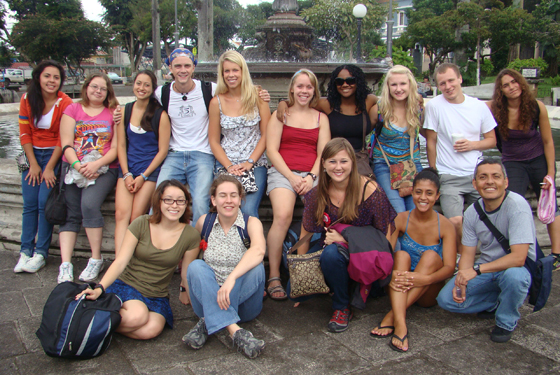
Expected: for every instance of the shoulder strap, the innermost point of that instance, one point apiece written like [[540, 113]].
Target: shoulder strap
[[165, 92], [207, 226], [155, 122], [504, 242], [364, 192], [537, 115], [206, 93], [244, 233], [364, 131]]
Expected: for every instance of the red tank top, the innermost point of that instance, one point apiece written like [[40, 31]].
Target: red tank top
[[298, 147]]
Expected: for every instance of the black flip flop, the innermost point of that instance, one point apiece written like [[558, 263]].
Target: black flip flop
[[395, 348], [382, 336]]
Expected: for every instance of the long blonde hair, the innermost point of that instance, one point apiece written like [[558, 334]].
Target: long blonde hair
[[249, 93], [412, 108], [349, 207], [314, 82]]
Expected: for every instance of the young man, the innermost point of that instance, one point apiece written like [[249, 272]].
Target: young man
[[453, 123], [498, 282]]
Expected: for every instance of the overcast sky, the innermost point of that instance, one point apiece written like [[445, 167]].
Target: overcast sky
[[94, 10]]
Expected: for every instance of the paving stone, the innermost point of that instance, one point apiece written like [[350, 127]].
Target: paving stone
[[27, 328], [8, 366], [313, 353], [538, 340], [234, 363], [10, 342], [111, 362], [418, 363], [377, 350], [176, 370], [11, 282], [8, 260], [547, 318], [180, 311], [36, 299], [167, 350], [13, 306], [477, 354]]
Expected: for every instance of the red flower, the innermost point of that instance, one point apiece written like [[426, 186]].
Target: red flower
[[203, 245], [326, 219]]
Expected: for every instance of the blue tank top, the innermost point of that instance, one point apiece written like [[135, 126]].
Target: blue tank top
[[142, 148], [415, 250]]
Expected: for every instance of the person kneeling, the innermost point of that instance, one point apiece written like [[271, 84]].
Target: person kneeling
[[497, 283], [146, 262], [227, 286]]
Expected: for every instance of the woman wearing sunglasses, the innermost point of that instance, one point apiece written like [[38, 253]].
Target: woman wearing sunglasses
[[348, 98]]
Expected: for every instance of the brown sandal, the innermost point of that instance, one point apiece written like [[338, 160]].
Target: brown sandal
[[276, 289]]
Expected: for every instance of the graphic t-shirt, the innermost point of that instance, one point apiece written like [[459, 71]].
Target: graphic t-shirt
[[91, 132]]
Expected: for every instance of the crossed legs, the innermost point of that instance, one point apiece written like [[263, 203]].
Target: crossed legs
[[137, 322]]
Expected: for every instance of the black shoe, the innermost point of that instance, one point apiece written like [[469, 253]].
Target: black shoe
[[500, 335], [486, 314]]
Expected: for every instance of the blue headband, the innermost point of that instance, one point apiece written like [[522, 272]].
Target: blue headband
[[180, 52]]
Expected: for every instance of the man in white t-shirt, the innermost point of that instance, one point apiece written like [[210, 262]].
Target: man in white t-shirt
[[454, 123]]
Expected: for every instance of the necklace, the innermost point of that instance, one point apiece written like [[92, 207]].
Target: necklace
[[184, 97], [231, 96]]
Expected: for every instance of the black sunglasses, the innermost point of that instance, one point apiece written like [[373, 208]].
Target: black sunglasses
[[350, 81]]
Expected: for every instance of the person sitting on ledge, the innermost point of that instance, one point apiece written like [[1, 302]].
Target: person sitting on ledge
[[497, 283], [227, 286], [146, 262], [426, 259]]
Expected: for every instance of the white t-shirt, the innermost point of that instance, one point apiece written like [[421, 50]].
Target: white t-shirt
[[470, 118], [189, 119]]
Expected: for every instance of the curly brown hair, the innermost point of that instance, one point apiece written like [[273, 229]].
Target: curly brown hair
[[527, 108]]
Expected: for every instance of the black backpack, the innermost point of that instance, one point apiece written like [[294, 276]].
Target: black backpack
[[209, 222], [206, 94], [80, 328]]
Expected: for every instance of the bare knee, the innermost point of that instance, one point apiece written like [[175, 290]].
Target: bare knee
[[401, 261], [430, 262], [122, 214], [457, 222], [131, 319], [150, 330]]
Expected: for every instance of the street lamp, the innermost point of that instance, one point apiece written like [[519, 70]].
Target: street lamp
[[390, 30], [359, 12]]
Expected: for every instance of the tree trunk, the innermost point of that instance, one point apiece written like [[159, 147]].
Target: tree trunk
[[206, 30]]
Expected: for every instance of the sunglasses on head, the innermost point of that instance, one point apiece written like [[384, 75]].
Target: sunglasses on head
[[349, 81]]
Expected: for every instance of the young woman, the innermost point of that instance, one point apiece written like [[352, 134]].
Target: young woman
[[348, 98], [526, 140], [237, 128], [143, 268], [40, 111], [294, 148], [87, 126], [401, 114], [426, 259], [141, 150], [227, 286], [342, 193]]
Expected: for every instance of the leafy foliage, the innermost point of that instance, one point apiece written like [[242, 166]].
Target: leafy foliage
[[400, 57], [517, 64], [186, 21]]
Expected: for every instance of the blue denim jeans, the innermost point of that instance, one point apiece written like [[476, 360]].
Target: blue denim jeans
[[383, 176], [252, 200], [33, 218], [505, 289], [246, 297], [194, 168], [335, 271]]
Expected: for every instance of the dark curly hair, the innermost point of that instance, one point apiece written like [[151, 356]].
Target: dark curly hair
[[527, 108], [362, 89]]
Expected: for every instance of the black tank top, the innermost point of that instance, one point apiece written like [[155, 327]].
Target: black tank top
[[349, 127]]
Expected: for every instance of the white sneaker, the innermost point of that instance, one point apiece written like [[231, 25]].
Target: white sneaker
[[92, 270], [23, 259], [34, 264], [65, 272]]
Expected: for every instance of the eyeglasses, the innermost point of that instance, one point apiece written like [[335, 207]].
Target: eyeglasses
[[97, 88], [169, 201], [349, 81]]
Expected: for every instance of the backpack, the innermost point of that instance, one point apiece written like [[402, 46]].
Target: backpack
[[80, 328], [206, 94], [209, 223], [540, 269]]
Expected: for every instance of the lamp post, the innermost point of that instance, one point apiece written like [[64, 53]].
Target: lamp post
[[359, 12], [176, 33], [390, 31]]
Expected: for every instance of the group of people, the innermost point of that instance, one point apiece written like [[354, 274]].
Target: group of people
[[217, 138]]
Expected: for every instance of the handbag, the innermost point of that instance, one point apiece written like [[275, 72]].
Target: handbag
[[402, 173], [362, 156], [22, 162], [546, 208], [55, 207], [247, 179], [306, 276]]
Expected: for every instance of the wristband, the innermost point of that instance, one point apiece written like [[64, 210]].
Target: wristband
[[231, 165], [182, 289], [127, 174], [100, 287], [77, 161], [143, 176]]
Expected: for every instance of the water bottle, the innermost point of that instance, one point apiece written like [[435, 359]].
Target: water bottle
[[458, 292]]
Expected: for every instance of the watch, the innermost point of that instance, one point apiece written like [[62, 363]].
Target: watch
[[100, 287], [476, 267], [313, 176], [250, 161]]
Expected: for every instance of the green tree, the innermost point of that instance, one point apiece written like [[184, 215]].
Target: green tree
[[251, 18], [186, 25], [333, 20], [228, 15]]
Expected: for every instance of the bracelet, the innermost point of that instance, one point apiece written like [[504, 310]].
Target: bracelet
[[182, 289], [231, 165], [145, 178], [100, 287], [77, 161], [127, 174]]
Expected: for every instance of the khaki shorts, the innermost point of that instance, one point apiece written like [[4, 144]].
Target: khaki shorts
[[276, 179], [455, 191]]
